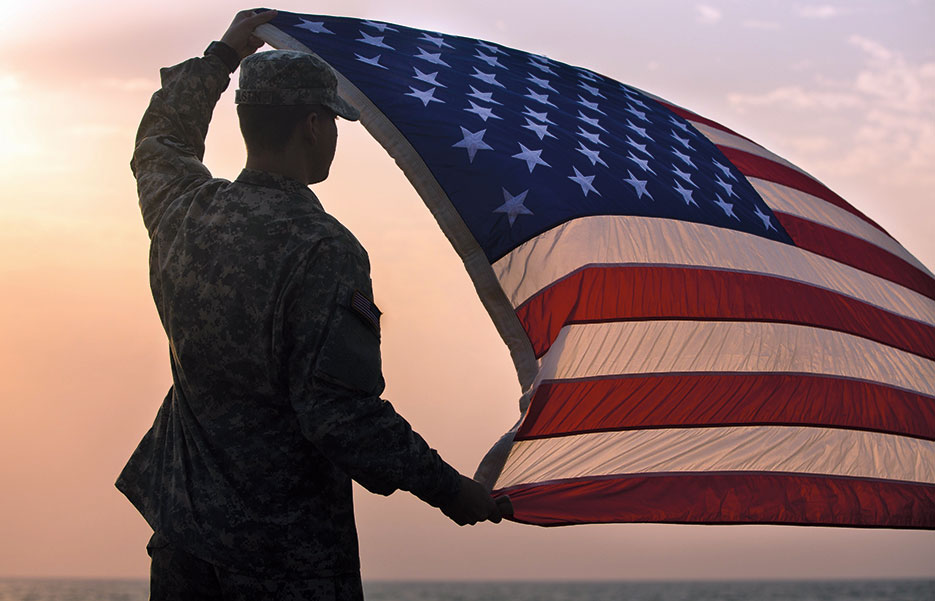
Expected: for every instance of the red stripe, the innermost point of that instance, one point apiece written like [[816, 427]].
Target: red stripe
[[727, 498], [856, 252], [690, 116], [752, 165], [615, 293], [561, 408]]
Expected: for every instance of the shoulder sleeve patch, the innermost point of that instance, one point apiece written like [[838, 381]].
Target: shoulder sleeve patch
[[365, 308]]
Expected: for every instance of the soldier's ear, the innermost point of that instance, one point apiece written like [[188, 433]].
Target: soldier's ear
[[309, 127]]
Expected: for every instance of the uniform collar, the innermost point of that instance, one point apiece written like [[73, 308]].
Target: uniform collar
[[265, 179]]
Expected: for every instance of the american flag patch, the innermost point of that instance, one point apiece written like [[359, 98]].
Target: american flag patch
[[364, 307]]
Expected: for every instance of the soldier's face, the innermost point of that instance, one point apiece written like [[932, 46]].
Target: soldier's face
[[326, 141]]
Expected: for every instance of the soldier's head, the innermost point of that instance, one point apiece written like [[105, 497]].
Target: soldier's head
[[288, 101]]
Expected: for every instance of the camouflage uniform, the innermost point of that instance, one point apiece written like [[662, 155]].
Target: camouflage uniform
[[274, 350]]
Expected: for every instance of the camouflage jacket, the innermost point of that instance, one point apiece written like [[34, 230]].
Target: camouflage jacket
[[275, 358]]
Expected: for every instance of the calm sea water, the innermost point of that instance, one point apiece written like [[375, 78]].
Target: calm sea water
[[869, 590]]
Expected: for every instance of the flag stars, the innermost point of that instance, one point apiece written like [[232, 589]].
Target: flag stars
[[686, 194], [429, 78], [543, 98], [683, 141], [590, 121], [685, 158], [439, 41], [639, 186], [643, 163], [640, 130], [593, 155], [543, 117], [728, 189], [542, 83], [541, 66], [374, 40], [426, 96], [513, 206], [375, 61], [490, 47], [680, 124], [725, 170], [593, 91], [488, 78], [472, 142], [590, 105], [381, 27], [765, 219], [490, 60], [435, 58], [635, 100], [532, 157], [482, 111], [314, 26], [638, 114], [640, 147], [587, 75], [540, 129], [593, 138], [727, 207], [685, 176], [483, 96], [585, 181]]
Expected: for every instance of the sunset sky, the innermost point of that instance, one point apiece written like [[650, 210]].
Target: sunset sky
[[844, 90]]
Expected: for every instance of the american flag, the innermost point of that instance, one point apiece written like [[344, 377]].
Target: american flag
[[704, 332]]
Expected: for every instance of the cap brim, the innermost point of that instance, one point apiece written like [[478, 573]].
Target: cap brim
[[344, 109]]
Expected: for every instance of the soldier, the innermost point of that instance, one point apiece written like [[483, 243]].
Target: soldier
[[245, 475]]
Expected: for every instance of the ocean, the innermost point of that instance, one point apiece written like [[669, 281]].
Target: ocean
[[849, 590]]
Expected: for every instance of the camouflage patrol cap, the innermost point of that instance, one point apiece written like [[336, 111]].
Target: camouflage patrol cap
[[287, 77]]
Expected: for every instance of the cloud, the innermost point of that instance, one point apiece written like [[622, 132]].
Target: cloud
[[708, 14], [820, 11]]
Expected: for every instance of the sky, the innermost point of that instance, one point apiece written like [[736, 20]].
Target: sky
[[844, 90]]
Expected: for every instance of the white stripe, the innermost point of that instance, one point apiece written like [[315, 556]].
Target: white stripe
[[723, 138], [787, 449], [630, 240], [639, 347], [801, 204]]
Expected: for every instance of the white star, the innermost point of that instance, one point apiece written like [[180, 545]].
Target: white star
[[641, 131], [490, 60], [594, 138], [590, 121], [432, 58], [729, 189], [438, 41], [679, 124], [542, 83], [314, 26], [593, 155], [487, 77], [640, 147], [590, 105], [637, 114], [726, 207], [591, 90], [544, 117], [639, 185], [542, 67], [375, 61], [636, 100], [490, 47], [513, 205], [687, 159], [485, 96], [541, 129], [532, 157], [473, 141], [686, 194], [587, 74], [643, 163], [725, 169], [583, 181], [765, 219], [374, 40], [482, 111], [426, 96], [379, 26], [543, 98], [682, 141], [428, 78], [685, 176]]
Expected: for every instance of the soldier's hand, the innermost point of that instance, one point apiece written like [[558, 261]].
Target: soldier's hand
[[239, 35], [472, 504]]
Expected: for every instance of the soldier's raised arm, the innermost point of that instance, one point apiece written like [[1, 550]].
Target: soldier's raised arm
[[170, 142]]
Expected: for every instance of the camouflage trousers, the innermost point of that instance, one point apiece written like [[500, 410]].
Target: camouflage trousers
[[176, 575]]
